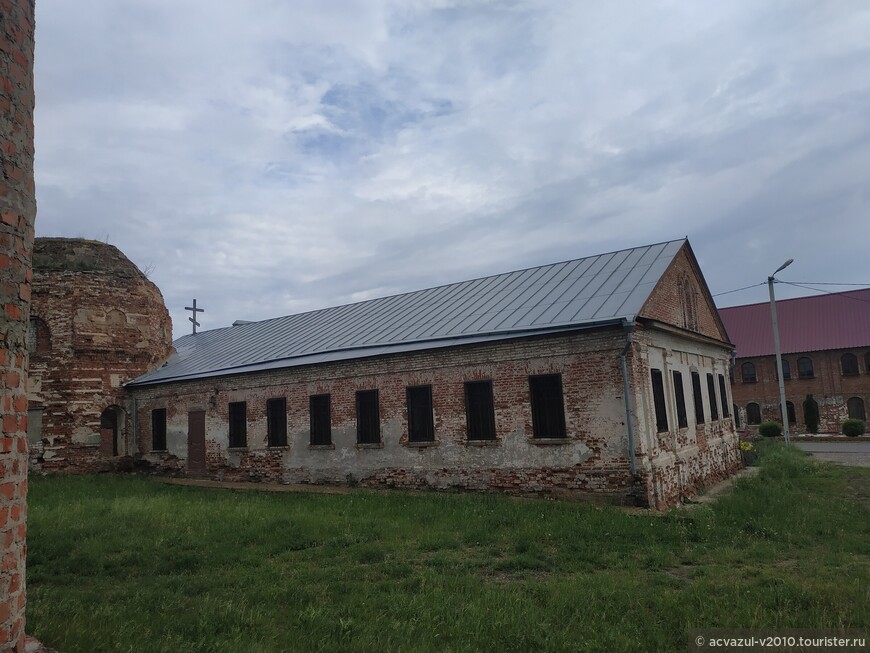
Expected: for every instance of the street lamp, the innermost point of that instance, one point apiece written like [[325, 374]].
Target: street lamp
[[782, 404]]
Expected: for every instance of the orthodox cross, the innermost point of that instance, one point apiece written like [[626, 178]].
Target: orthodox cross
[[195, 311]]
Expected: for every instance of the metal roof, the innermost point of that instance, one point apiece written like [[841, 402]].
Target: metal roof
[[586, 292], [831, 321]]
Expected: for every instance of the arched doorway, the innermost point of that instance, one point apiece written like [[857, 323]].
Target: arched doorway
[[111, 444]]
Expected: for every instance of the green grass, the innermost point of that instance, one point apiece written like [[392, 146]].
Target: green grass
[[130, 564]]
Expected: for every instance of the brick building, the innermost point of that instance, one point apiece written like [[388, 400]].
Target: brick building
[[825, 341], [602, 375], [96, 322], [17, 215]]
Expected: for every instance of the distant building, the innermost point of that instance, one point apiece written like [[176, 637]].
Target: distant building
[[96, 322], [604, 375], [826, 353]]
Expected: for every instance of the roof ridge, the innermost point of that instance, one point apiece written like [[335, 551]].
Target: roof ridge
[[443, 285], [794, 299]]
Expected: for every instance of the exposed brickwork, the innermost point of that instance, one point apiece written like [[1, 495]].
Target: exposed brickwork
[[17, 214], [668, 302], [594, 458], [829, 386], [680, 462], [99, 323]]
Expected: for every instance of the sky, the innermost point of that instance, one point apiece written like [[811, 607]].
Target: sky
[[269, 157]]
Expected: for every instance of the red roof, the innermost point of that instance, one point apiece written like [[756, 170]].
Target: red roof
[[831, 321]]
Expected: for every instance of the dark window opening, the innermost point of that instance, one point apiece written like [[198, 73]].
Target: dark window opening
[[421, 422], [723, 396], [849, 363], [679, 392], [747, 372], [368, 417], [753, 414], [319, 409], [276, 422], [658, 388], [789, 407], [238, 414], [786, 371], [548, 406], [479, 410], [696, 396], [736, 415], [867, 362], [38, 338], [855, 406], [158, 429], [711, 395], [805, 368]]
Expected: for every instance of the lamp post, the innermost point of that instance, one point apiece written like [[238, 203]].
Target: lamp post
[[782, 404]]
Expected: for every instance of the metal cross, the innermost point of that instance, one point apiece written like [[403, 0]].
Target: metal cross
[[195, 311]]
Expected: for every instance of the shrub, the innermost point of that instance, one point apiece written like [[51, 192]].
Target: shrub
[[811, 414], [854, 427], [770, 429]]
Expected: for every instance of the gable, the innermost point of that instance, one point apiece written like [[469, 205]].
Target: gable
[[681, 299]]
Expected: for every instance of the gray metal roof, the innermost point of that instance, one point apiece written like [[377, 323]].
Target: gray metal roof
[[586, 292]]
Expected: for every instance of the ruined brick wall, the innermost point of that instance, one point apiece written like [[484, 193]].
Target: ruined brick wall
[[97, 322], [829, 386], [17, 214], [593, 459], [681, 461]]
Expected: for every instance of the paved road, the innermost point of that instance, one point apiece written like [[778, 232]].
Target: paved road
[[856, 454]]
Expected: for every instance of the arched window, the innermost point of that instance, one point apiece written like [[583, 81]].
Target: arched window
[[688, 303], [867, 362], [753, 413], [736, 416], [805, 368], [789, 406], [856, 408], [786, 370], [38, 337], [849, 364], [747, 371]]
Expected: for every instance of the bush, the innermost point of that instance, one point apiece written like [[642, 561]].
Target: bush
[[770, 429], [811, 414], [854, 427]]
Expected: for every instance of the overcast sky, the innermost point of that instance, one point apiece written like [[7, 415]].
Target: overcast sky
[[269, 157]]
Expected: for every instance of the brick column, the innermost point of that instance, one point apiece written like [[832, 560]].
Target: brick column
[[17, 213]]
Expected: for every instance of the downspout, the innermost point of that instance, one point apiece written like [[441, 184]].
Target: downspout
[[135, 426], [626, 391]]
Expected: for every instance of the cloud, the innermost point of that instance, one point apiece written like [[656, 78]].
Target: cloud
[[272, 157]]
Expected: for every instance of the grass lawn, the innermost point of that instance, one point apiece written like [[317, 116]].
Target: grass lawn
[[130, 564]]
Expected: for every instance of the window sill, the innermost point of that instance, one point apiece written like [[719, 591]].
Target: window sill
[[321, 447], [277, 447], [549, 441], [746, 381], [238, 449], [369, 445], [495, 442], [158, 451], [806, 378], [417, 444]]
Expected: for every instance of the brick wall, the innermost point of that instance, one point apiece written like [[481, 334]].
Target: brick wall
[[829, 387], [17, 214], [99, 323], [593, 459], [681, 461], [667, 303]]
